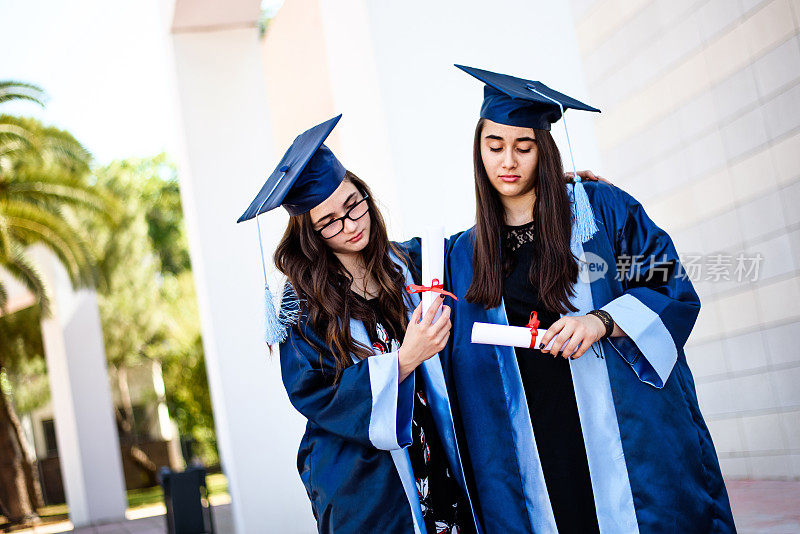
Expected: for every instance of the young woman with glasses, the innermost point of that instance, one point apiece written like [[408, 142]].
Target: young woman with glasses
[[378, 454]]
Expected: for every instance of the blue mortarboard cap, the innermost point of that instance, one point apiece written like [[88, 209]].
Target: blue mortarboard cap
[[307, 174], [518, 102]]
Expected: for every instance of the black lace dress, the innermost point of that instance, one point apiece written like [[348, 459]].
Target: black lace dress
[[550, 394], [444, 508]]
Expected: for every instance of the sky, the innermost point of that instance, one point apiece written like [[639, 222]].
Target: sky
[[104, 67]]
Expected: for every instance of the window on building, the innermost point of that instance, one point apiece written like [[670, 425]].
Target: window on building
[[49, 431]]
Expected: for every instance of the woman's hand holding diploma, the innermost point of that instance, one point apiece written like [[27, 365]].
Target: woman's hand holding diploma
[[423, 338], [568, 337], [572, 336]]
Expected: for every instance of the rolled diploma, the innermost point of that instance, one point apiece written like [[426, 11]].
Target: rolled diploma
[[510, 336], [432, 264]]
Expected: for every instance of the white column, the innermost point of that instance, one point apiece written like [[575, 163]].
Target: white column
[[407, 107], [355, 87], [86, 432], [226, 158]]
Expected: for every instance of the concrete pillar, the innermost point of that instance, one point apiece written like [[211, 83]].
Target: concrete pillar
[[86, 432], [226, 158]]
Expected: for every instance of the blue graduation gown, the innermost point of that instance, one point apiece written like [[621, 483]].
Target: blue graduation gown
[[652, 463], [352, 458]]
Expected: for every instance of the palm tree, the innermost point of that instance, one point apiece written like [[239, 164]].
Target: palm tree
[[43, 175], [44, 181]]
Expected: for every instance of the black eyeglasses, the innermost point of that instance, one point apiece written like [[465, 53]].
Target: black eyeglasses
[[335, 227]]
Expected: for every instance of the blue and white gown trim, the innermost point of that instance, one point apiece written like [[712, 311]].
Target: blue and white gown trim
[[392, 410]]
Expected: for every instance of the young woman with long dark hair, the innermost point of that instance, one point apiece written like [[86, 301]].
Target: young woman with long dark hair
[[359, 357], [600, 431]]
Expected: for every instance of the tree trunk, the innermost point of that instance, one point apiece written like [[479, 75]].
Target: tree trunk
[[126, 424], [19, 491], [31, 470], [125, 400], [134, 452], [3, 511]]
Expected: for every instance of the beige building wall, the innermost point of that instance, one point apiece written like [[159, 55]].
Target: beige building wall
[[320, 60], [701, 123], [299, 93]]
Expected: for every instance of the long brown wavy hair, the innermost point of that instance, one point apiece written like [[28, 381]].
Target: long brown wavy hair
[[323, 284], [554, 269]]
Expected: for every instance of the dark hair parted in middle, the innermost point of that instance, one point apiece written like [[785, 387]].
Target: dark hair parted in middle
[[323, 284], [554, 269]]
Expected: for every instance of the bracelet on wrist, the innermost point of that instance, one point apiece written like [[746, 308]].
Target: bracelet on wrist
[[605, 317]]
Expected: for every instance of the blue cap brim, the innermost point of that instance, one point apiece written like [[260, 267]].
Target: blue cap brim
[[319, 183]]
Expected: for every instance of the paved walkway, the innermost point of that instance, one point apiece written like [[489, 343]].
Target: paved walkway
[[146, 520], [759, 507]]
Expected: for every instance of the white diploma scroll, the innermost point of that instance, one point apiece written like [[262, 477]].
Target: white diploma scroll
[[510, 336], [432, 264]]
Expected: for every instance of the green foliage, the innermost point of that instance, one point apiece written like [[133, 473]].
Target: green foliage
[[22, 352], [16, 90], [216, 483], [44, 184], [120, 229], [148, 306], [165, 221], [189, 401], [29, 387], [128, 296], [35, 146]]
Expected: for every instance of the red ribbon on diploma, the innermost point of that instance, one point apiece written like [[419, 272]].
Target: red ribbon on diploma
[[533, 324], [435, 286]]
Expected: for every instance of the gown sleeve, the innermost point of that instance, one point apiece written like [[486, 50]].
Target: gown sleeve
[[366, 404], [659, 306]]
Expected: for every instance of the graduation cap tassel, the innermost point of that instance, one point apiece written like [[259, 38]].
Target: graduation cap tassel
[[274, 327], [290, 307], [309, 171], [585, 225], [274, 331]]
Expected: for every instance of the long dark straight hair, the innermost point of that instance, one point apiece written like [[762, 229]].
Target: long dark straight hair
[[554, 269], [323, 284]]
